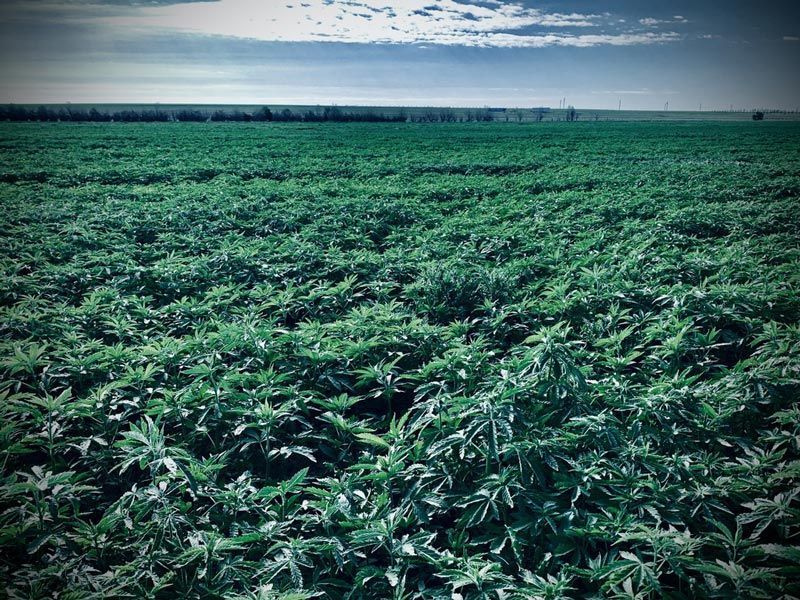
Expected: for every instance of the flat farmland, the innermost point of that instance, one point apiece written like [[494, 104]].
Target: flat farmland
[[467, 361]]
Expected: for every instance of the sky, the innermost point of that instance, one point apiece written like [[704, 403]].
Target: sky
[[596, 54]]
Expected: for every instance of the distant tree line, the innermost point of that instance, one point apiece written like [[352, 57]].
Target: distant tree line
[[328, 113], [448, 115], [13, 112]]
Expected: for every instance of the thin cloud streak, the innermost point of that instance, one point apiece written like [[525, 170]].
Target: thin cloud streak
[[651, 22], [641, 92]]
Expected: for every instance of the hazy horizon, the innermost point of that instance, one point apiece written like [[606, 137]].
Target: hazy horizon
[[456, 107], [459, 53]]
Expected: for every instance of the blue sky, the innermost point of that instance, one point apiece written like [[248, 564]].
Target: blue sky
[[409, 52]]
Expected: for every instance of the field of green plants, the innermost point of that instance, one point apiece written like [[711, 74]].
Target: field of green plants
[[398, 361]]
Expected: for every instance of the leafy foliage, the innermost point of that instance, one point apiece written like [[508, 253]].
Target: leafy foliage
[[399, 361]]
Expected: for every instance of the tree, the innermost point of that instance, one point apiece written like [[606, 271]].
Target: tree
[[43, 114], [265, 114], [572, 114]]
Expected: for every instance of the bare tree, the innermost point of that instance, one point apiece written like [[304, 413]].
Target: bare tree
[[572, 114]]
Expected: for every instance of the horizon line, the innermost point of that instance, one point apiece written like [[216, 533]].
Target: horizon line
[[403, 106]]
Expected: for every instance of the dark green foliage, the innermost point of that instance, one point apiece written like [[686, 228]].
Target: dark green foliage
[[399, 361]]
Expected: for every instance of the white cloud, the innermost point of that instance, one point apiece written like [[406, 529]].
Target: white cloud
[[651, 22], [791, 38], [492, 23]]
